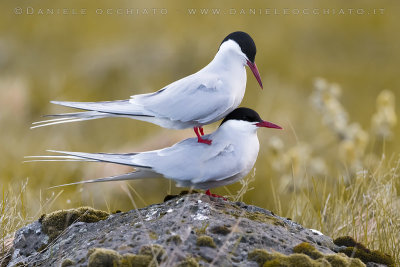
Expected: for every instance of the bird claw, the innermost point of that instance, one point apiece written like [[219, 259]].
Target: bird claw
[[199, 139], [204, 141], [208, 193]]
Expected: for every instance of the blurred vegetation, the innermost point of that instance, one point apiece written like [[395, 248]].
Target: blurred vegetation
[[334, 168]]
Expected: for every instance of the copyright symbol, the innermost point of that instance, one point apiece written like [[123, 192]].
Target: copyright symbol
[[18, 11]]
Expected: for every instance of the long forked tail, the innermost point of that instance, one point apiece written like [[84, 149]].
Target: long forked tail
[[122, 159], [71, 117], [95, 110], [123, 177]]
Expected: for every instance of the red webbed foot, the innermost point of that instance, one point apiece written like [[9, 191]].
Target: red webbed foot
[[208, 193], [199, 139]]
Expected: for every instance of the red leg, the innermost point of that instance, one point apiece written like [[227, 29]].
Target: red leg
[[199, 139], [208, 193], [201, 131]]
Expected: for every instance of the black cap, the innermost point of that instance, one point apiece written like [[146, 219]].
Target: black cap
[[245, 42], [243, 114]]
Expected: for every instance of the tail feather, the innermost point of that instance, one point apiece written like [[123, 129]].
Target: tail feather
[[46, 123], [96, 110], [55, 158], [71, 117], [122, 159], [127, 176], [120, 107]]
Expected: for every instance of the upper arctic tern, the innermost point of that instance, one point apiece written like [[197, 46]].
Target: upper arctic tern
[[196, 100], [189, 163]]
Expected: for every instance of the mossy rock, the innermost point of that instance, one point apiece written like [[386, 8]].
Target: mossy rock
[[308, 249], [156, 251], [153, 235], [101, 257], [260, 256], [132, 260], [357, 250], [220, 230], [205, 241], [339, 260], [67, 262], [55, 223], [369, 256], [298, 260], [266, 259], [175, 239]]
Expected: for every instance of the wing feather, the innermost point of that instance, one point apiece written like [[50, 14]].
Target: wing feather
[[197, 98], [193, 161]]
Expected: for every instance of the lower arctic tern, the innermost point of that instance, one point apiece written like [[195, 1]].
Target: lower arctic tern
[[193, 101], [189, 163]]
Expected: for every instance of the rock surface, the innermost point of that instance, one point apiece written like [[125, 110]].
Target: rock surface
[[188, 230]]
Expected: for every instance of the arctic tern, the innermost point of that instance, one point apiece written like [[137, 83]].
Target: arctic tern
[[189, 163], [196, 100]]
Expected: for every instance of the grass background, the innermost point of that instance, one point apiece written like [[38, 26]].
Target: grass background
[[307, 172]]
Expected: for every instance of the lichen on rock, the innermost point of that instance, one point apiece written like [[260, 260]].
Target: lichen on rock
[[352, 248], [154, 251], [302, 258], [205, 241], [186, 231], [307, 249], [55, 223], [103, 257]]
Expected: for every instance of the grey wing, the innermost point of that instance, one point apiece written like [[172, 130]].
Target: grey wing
[[199, 97], [190, 160]]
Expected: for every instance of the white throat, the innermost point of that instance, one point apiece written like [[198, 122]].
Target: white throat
[[230, 53]]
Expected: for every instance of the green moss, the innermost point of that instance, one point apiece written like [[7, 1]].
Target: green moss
[[132, 260], [55, 223], [260, 256], [153, 235], [103, 257], [220, 230], [205, 241], [308, 249], [156, 251], [298, 260], [368, 256], [67, 262], [341, 260], [189, 262], [110, 258], [358, 250], [266, 259], [176, 239]]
